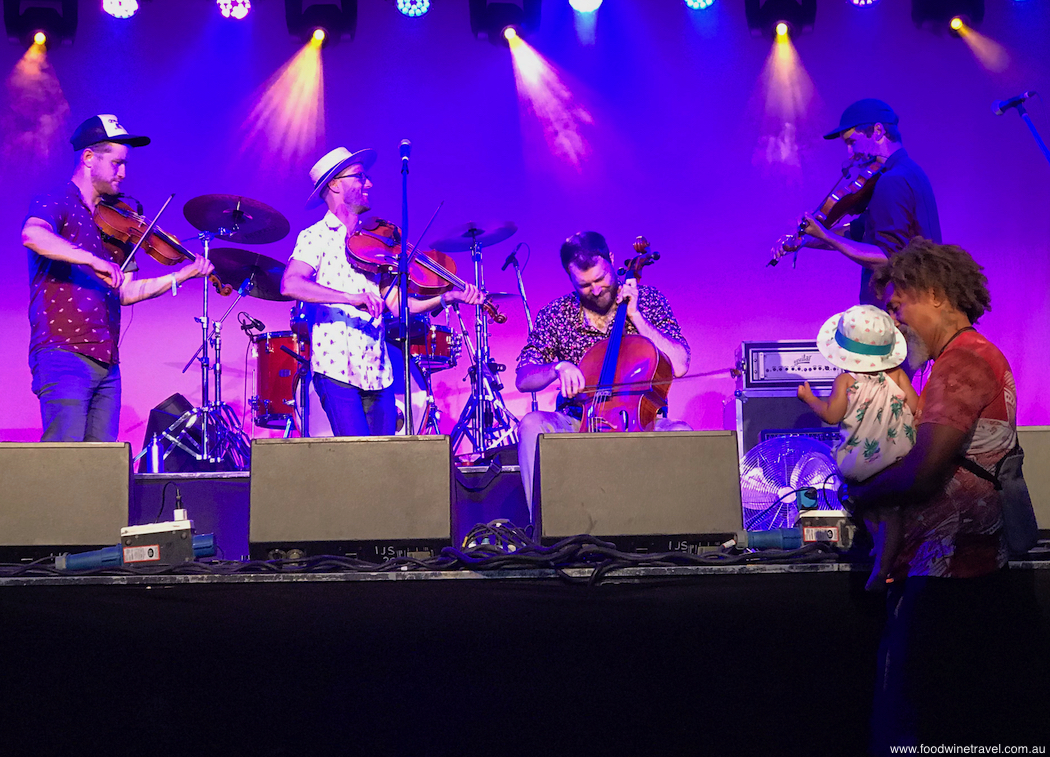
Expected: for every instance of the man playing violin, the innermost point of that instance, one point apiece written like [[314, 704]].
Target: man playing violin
[[76, 288], [902, 205], [353, 374], [571, 325]]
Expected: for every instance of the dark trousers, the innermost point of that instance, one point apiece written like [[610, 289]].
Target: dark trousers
[[962, 661], [356, 412]]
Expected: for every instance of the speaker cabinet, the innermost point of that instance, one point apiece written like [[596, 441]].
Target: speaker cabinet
[[61, 495], [761, 417], [1035, 441], [372, 497], [675, 483]]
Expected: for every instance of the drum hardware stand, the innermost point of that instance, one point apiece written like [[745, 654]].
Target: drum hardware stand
[[485, 402], [219, 420], [512, 259]]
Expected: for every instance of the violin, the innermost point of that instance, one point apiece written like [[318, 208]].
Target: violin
[[122, 228], [374, 247], [626, 377], [849, 197]]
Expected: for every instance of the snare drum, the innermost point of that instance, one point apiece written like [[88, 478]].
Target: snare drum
[[436, 347], [275, 378]]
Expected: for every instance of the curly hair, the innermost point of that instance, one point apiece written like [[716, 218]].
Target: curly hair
[[925, 266]]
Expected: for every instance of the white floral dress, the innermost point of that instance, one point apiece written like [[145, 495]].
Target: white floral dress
[[878, 428]]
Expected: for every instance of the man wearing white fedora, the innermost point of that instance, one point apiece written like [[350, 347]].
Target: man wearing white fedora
[[352, 370]]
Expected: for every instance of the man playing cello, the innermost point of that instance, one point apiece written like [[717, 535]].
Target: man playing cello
[[569, 326]]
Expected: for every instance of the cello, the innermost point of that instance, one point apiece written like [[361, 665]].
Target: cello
[[626, 377]]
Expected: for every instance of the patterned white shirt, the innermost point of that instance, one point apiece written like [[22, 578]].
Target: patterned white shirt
[[346, 344]]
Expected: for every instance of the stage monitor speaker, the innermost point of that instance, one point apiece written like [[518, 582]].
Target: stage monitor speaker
[[58, 496], [1035, 441], [674, 483], [371, 497]]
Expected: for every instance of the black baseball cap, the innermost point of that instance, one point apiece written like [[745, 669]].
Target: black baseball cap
[[104, 128], [867, 111]]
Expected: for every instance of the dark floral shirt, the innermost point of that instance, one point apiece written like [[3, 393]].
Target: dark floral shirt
[[69, 306], [562, 332]]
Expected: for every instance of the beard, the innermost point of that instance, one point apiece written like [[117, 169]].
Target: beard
[[601, 305], [918, 352]]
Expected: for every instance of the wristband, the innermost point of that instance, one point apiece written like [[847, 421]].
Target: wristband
[[174, 285]]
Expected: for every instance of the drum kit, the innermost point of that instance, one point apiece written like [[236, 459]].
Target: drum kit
[[284, 398]]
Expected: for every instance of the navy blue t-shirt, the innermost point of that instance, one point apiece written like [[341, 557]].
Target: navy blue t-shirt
[[901, 207]]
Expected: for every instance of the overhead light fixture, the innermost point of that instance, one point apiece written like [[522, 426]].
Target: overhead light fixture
[[121, 8], [492, 20], [863, 3], [236, 9], [335, 21], [765, 17], [413, 8], [698, 5], [55, 19], [585, 6], [938, 14]]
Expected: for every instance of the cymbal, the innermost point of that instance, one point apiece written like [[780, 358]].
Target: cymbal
[[234, 267], [462, 237], [236, 219]]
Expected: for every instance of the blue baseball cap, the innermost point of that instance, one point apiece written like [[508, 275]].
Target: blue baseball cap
[[867, 111]]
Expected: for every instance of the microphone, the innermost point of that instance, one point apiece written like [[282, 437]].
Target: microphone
[[1001, 106], [406, 149], [512, 258], [247, 322]]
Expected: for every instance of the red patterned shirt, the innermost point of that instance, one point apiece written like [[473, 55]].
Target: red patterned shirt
[[69, 306], [958, 533]]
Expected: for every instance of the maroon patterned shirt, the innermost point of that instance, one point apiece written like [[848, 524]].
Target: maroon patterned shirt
[[562, 332], [69, 306]]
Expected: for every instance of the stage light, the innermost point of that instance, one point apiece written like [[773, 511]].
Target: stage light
[[937, 14], [56, 19], [336, 21], [585, 6], [413, 8], [510, 34], [39, 38], [491, 19], [318, 36], [956, 24], [121, 8], [764, 17], [782, 29], [863, 3], [237, 9], [545, 97], [698, 5]]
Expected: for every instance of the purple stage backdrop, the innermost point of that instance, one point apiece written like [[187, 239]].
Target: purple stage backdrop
[[674, 124]]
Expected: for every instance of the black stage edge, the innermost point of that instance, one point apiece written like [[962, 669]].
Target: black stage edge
[[723, 663]]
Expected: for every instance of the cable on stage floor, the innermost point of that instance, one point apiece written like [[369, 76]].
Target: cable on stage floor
[[495, 546]]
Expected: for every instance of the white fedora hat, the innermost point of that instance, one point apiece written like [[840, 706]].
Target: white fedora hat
[[862, 338], [331, 164]]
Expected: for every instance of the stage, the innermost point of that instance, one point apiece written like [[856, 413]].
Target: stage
[[765, 660]]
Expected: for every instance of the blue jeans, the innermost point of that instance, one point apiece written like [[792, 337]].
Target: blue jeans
[[356, 412], [79, 397]]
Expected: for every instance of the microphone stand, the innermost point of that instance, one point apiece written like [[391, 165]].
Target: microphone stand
[[1028, 120], [402, 272], [513, 260]]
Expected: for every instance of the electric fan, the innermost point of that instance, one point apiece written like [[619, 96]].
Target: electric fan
[[774, 474]]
